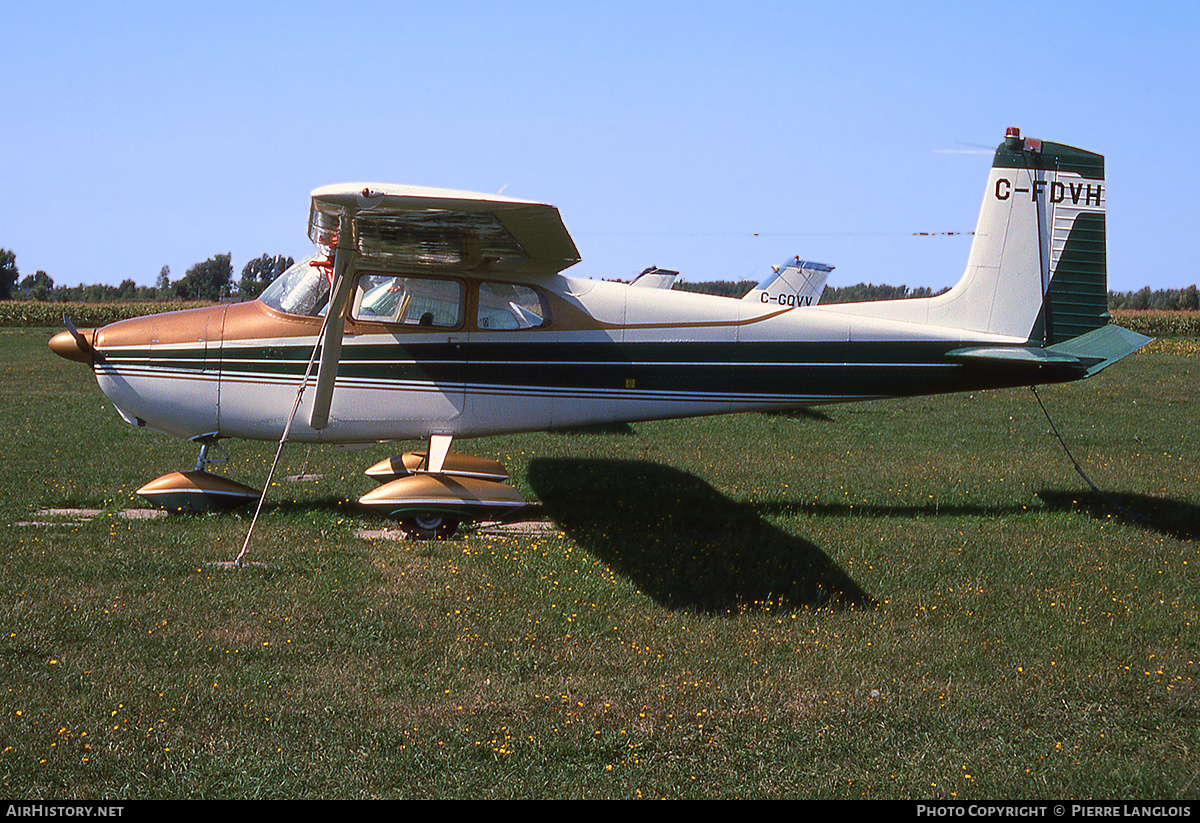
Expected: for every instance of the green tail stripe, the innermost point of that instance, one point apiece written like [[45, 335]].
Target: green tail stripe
[[1077, 300], [1078, 295]]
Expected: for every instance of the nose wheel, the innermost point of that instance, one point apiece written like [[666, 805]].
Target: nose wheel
[[199, 490]]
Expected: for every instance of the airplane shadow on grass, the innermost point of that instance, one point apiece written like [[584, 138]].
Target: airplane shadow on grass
[[1176, 518], [683, 543]]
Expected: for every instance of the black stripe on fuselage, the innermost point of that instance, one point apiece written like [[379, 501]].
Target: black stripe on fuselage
[[778, 369]]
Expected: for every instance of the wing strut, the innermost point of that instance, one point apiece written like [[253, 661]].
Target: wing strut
[[335, 322], [329, 341], [435, 456]]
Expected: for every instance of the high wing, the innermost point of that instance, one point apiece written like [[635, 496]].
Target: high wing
[[412, 227]]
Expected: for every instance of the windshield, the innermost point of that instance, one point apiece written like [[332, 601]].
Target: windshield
[[303, 289]]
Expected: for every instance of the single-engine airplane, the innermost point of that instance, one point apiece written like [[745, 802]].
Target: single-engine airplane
[[431, 315], [795, 283]]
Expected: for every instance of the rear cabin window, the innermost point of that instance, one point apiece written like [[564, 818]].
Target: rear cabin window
[[409, 301], [506, 306]]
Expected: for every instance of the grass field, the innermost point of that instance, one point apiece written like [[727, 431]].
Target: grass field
[[905, 599]]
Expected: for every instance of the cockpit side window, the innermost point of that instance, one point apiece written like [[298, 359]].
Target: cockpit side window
[[303, 289], [409, 301], [509, 306]]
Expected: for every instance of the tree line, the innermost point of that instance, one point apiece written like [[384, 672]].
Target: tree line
[[1166, 299], [212, 280], [209, 280]]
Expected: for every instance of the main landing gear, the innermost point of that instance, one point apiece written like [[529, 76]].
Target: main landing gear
[[429, 526], [430, 493]]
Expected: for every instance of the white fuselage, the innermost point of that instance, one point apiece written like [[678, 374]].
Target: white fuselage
[[642, 354]]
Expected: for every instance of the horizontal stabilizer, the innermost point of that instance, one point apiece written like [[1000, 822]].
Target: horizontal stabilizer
[[1013, 355], [1102, 347], [1088, 353]]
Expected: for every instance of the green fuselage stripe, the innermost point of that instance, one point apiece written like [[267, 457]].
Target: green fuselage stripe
[[842, 369]]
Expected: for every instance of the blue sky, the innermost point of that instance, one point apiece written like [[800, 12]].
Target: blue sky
[[712, 138]]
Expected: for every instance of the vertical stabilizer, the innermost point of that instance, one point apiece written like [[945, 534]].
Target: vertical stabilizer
[[796, 283], [655, 278], [1037, 268]]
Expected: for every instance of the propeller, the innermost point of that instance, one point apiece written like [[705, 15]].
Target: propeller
[[72, 344]]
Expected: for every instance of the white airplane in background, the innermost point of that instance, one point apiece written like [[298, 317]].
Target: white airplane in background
[[795, 283], [655, 278], [433, 315]]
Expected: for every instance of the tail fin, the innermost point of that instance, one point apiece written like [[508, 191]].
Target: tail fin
[[796, 283], [1037, 273], [655, 278], [1037, 268]]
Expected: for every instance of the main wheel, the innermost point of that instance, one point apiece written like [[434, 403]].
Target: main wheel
[[429, 527]]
